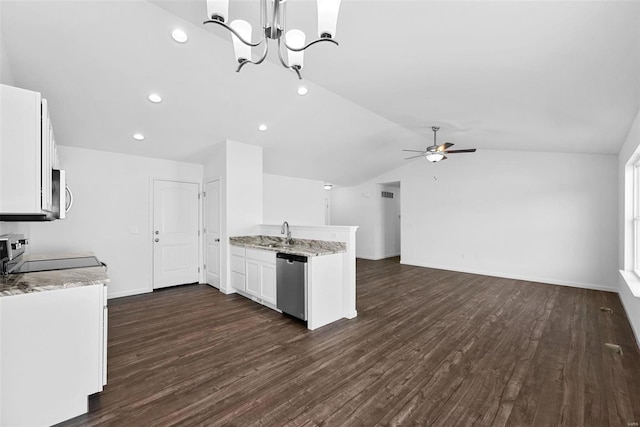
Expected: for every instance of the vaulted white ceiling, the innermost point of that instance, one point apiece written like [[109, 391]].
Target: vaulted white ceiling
[[535, 76]]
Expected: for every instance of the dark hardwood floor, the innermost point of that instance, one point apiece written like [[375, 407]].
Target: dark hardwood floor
[[429, 347]]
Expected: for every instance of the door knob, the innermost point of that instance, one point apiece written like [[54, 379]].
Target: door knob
[[157, 240], [157, 232], [217, 240]]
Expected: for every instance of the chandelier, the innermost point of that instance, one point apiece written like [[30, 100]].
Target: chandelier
[[273, 21]]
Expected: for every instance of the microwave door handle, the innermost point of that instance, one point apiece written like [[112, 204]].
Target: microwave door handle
[[68, 190]]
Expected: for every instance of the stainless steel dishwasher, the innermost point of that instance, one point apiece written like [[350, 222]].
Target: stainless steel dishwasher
[[291, 271]]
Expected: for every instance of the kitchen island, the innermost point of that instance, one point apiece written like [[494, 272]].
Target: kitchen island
[[52, 343], [324, 273]]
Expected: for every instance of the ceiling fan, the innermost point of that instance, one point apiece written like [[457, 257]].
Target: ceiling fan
[[436, 152]]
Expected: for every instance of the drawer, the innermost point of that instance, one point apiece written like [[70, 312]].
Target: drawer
[[264, 256], [237, 281], [237, 250], [237, 264]]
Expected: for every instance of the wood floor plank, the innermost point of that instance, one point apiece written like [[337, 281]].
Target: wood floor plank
[[429, 347]]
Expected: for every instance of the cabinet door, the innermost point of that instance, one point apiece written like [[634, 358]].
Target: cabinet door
[[268, 283], [253, 279], [65, 325], [20, 145], [238, 281]]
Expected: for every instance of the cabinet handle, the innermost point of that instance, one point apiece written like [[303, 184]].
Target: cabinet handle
[[157, 240], [68, 190], [217, 240]]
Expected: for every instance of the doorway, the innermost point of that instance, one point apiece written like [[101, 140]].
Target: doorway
[[390, 220], [175, 233], [212, 233]]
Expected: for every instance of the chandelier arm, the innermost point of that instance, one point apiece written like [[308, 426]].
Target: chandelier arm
[[284, 64], [248, 43], [310, 44], [258, 62]]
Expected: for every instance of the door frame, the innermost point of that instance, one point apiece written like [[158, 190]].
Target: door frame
[[152, 179], [203, 240]]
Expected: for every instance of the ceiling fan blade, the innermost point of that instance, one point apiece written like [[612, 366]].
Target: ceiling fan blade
[[415, 151], [468, 150], [414, 157], [443, 147]]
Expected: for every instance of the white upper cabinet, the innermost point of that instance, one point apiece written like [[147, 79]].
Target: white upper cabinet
[[27, 153]]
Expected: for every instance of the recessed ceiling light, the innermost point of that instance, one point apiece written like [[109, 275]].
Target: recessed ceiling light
[[138, 136], [179, 35], [155, 98], [328, 186], [262, 128], [302, 91]]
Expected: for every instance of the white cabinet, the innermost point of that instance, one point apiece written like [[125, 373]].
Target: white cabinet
[[27, 152], [268, 287], [258, 274], [53, 355], [238, 281]]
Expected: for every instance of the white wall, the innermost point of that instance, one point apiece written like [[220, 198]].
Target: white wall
[[359, 205], [376, 217], [6, 75], [244, 188], [544, 217], [535, 216], [629, 153], [295, 200], [112, 195]]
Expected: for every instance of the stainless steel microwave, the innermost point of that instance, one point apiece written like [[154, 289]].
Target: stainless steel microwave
[[62, 199]]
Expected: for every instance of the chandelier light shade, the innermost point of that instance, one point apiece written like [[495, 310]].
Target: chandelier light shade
[[291, 43], [241, 50], [296, 39], [218, 9], [327, 17]]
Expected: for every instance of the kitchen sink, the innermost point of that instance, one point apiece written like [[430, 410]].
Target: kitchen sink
[[279, 245]]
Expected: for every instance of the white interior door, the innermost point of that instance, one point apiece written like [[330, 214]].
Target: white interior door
[[175, 233], [212, 232]]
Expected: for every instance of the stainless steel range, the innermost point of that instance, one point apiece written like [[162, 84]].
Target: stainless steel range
[[12, 247]]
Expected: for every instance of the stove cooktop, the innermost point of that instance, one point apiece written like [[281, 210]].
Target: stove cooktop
[[56, 264]]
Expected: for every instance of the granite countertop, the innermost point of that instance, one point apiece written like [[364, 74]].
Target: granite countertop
[[26, 283], [304, 247]]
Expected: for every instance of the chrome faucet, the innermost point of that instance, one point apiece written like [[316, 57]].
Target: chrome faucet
[[285, 225]]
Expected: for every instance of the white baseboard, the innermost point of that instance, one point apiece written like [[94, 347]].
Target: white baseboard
[[351, 314], [376, 258], [127, 293], [226, 291], [592, 286]]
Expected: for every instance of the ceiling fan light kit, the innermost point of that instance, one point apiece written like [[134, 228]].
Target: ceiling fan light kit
[[436, 152], [273, 21], [435, 157]]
